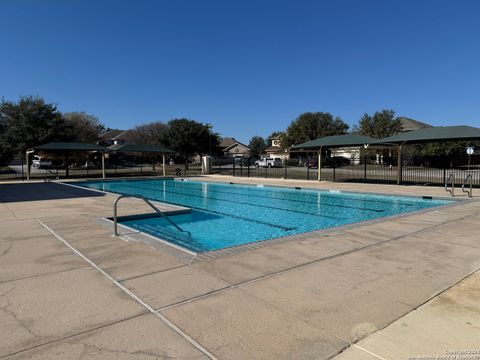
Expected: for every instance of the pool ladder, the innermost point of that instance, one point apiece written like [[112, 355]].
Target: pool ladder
[[157, 210], [450, 180], [467, 181], [468, 191]]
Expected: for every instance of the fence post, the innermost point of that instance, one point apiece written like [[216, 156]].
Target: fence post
[[399, 165], [241, 168], [285, 165], [248, 168], [233, 172], [365, 167], [308, 167], [23, 174], [334, 166]]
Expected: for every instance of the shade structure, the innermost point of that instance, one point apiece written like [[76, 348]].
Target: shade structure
[[152, 149], [140, 148], [433, 134], [67, 146], [335, 141]]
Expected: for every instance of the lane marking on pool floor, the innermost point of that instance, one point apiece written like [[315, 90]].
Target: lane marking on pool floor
[[130, 293]]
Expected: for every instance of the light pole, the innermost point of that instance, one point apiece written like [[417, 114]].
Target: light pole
[[209, 127], [470, 151]]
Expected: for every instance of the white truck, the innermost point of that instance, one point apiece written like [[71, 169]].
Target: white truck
[[268, 162], [40, 162]]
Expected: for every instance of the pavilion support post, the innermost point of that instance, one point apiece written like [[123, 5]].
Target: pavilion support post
[[319, 166], [27, 162], [163, 165], [65, 158], [399, 165], [103, 166]]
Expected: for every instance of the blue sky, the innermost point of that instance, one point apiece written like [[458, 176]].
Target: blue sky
[[247, 67]]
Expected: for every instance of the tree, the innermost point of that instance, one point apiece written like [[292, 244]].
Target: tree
[[189, 137], [27, 123], [382, 124], [80, 127], [153, 133], [312, 125], [257, 145]]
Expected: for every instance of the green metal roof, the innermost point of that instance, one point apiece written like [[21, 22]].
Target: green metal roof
[[335, 141], [65, 146], [433, 134], [140, 148]]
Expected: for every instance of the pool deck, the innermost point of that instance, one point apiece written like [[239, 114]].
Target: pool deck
[[390, 289]]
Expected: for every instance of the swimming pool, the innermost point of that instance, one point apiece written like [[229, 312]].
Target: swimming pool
[[225, 215]]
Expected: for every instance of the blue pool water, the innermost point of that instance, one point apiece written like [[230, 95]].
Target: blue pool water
[[225, 215]]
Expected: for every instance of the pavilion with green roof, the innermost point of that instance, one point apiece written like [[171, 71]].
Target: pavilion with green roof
[[67, 148], [424, 135], [152, 149], [328, 142]]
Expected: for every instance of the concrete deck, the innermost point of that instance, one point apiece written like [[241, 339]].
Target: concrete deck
[[392, 289]]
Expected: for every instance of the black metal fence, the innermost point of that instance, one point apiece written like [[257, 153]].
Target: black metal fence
[[424, 170], [114, 167], [420, 170]]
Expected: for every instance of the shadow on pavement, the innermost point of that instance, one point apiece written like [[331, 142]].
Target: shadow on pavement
[[41, 191]]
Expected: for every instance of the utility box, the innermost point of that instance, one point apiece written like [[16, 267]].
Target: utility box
[[206, 165]]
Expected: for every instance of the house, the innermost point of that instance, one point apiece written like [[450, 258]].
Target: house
[[233, 148], [411, 124], [275, 150], [113, 137]]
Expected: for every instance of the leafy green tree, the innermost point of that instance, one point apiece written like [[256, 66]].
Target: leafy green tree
[[380, 125], [446, 148], [80, 127], [189, 137], [257, 145], [276, 134], [312, 125], [27, 123]]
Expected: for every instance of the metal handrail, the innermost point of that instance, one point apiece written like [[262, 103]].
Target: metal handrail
[[469, 192], [115, 217], [451, 179]]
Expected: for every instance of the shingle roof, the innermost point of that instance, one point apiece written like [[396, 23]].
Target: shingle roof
[[227, 142], [274, 149], [113, 134], [412, 124]]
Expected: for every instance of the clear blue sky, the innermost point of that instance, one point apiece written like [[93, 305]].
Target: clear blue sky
[[247, 67]]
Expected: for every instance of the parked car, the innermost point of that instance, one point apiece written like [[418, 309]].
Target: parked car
[[312, 162], [239, 160], [336, 161], [269, 162], [40, 162]]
